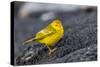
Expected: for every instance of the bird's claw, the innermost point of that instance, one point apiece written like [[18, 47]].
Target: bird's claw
[[51, 51]]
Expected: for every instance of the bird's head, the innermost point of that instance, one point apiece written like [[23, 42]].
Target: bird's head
[[57, 24]]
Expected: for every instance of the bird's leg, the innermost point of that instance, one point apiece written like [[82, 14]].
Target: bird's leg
[[51, 50]]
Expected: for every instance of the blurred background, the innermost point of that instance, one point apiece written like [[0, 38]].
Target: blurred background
[[29, 18]]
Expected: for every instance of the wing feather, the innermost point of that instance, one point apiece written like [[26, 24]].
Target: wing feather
[[44, 33]]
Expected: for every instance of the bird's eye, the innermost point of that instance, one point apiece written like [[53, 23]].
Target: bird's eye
[[56, 25]]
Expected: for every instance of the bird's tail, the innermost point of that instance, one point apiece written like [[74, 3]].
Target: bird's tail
[[29, 41]]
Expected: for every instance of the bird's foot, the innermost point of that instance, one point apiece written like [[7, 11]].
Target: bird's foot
[[51, 51]]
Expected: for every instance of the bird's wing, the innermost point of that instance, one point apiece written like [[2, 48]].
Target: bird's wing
[[44, 33]]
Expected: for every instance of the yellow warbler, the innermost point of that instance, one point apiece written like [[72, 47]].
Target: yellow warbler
[[50, 35]]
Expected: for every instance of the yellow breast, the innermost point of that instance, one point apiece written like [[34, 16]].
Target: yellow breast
[[52, 39]]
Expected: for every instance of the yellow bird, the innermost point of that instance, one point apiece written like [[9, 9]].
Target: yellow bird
[[50, 35]]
